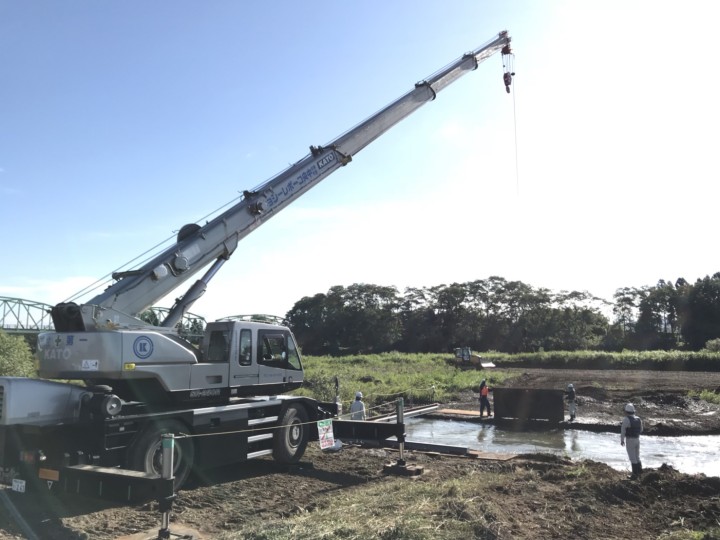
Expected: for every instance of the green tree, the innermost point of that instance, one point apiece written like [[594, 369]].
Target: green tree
[[451, 310], [701, 312], [361, 318], [420, 330], [309, 322], [625, 308], [489, 314], [371, 314], [657, 325], [16, 359], [150, 316]]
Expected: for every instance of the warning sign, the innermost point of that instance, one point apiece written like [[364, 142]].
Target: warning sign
[[325, 432]]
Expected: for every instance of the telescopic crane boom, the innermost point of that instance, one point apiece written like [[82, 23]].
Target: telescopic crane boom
[[213, 243]]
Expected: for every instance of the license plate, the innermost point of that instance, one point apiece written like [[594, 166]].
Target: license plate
[[18, 485]]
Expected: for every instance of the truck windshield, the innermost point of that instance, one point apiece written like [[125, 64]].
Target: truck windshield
[[278, 350], [293, 356]]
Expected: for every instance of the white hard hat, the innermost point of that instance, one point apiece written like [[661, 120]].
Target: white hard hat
[[570, 385], [630, 408], [358, 395]]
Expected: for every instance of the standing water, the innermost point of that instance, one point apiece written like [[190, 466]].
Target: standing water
[[689, 454]]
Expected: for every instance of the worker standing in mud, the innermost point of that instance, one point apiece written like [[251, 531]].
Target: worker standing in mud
[[570, 397], [630, 430], [484, 400]]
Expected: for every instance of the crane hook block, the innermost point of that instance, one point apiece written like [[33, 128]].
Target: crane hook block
[[507, 79]]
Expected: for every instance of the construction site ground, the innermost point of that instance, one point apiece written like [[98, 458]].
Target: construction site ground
[[530, 496]]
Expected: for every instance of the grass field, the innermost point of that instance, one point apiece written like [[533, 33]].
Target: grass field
[[426, 378]]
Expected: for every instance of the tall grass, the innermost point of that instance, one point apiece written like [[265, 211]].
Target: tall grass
[[707, 395], [382, 378], [426, 378], [644, 360]]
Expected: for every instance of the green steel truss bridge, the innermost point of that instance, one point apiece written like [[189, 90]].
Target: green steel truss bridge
[[18, 316], [24, 316]]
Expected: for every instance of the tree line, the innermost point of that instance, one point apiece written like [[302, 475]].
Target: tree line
[[494, 314]]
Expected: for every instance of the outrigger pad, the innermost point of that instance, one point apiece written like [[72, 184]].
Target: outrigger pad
[[402, 469]]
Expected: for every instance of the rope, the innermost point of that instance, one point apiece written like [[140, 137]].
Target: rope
[[368, 409], [152, 251], [252, 430], [249, 430], [386, 404], [403, 392], [517, 169]]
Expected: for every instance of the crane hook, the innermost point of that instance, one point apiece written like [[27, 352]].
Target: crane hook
[[507, 79]]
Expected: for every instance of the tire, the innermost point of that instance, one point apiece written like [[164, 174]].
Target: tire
[[292, 437], [145, 454]]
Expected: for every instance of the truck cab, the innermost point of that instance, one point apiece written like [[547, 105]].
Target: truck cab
[[260, 357]]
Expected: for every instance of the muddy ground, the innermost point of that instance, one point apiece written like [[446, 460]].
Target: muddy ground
[[542, 496]]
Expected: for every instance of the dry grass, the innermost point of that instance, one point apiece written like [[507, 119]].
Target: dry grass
[[403, 509]]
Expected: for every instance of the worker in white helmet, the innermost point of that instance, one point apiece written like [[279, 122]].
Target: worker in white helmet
[[630, 431], [357, 409]]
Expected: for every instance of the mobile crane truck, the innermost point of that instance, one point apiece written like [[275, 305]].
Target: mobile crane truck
[[140, 381]]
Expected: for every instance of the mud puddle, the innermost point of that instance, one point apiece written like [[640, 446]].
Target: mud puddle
[[688, 454]]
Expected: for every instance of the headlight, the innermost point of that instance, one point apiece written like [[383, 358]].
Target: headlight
[[111, 406]]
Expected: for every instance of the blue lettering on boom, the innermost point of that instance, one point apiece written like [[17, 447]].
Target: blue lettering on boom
[[292, 185]]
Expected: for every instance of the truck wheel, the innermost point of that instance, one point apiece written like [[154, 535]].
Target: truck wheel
[[292, 437], [146, 452]]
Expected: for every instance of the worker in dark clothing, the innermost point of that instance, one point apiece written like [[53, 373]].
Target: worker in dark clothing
[[484, 401], [570, 397], [630, 431]]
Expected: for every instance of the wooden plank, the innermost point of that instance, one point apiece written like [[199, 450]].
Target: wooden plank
[[458, 412], [491, 455], [428, 447]]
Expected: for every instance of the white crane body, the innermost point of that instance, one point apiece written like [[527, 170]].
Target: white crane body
[[142, 379]]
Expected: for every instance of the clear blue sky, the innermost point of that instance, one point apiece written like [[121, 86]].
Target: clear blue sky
[[122, 120]]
